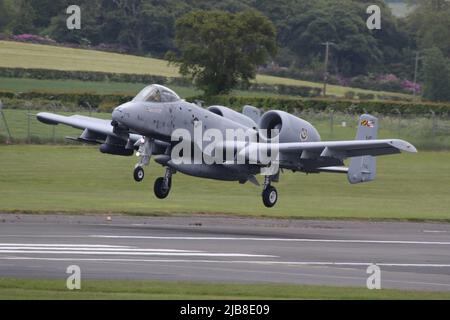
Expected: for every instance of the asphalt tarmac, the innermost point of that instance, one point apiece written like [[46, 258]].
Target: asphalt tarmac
[[411, 256]]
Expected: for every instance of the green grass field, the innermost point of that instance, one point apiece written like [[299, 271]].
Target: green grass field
[[79, 179], [107, 290], [77, 86], [121, 88], [25, 55]]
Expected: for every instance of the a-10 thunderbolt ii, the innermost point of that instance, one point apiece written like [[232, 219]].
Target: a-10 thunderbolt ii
[[158, 124]]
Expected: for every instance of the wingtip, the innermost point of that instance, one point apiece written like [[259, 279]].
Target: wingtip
[[45, 117], [404, 146], [413, 149]]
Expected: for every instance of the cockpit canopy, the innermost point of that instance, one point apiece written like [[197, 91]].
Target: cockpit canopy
[[156, 93]]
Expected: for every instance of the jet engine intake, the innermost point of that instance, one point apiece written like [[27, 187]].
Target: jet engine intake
[[286, 128]]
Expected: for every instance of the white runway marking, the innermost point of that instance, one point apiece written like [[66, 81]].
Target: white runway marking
[[434, 231], [128, 253], [74, 248], [62, 245], [275, 239], [261, 262], [45, 248], [92, 249]]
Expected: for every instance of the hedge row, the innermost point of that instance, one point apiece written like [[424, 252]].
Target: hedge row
[[302, 91], [47, 74], [94, 100], [108, 102], [341, 105]]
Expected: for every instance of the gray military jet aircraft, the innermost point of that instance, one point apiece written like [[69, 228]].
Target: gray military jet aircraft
[[147, 125]]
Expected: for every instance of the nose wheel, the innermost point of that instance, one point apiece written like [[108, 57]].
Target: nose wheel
[[144, 153], [138, 174], [163, 184]]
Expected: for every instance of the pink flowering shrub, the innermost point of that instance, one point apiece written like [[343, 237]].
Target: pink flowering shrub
[[33, 39], [409, 86]]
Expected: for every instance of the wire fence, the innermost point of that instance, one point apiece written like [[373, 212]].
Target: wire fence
[[22, 126], [429, 132]]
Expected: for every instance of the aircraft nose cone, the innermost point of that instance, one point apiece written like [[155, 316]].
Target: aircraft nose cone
[[117, 114]]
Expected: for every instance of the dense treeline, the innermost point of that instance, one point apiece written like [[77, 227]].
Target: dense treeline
[[148, 27]]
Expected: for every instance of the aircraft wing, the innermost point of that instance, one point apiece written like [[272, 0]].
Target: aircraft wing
[[94, 128], [337, 149], [353, 148]]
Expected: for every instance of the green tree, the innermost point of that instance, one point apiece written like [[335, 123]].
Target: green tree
[[4, 15], [45, 10], [140, 25], [90, 31], [20, 16], [303, 25], [436, 75], [430, 23], [342, 22], [218, 49]]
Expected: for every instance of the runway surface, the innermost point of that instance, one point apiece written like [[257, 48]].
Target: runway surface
[[413, 256]]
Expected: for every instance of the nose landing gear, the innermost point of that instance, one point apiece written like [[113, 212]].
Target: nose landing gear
[[138, 174], [144, 153]]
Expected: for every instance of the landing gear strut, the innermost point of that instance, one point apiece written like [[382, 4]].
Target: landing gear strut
[[163, 184], [269, 194], [144, 153]]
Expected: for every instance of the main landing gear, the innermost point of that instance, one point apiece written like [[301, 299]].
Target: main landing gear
[[163, 184], [269, 194]]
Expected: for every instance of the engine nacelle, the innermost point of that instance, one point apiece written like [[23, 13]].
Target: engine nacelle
[[233, 116], [290, 128], [116, 150]]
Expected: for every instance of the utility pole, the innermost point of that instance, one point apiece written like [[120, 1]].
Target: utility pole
[[325, 77], [9, 139], [416, 70]]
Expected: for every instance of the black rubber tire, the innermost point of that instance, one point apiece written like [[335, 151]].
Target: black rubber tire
[[159, 190], [138, 174], [270, 196]]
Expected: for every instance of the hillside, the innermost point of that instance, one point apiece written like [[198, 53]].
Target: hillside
[[25, 55]]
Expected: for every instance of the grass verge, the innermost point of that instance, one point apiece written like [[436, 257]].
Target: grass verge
[[79, 179], [115, 289]]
